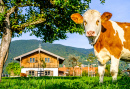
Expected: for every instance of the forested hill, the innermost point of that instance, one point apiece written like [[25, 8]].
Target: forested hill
[[20, 47]]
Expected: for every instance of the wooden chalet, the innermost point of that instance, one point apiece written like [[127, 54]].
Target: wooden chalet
[[32, 63]]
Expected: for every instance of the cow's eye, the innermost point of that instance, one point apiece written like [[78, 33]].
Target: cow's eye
[[85, 22], [97, 22]]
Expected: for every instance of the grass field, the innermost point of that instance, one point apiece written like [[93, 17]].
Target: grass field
[[64, 83]]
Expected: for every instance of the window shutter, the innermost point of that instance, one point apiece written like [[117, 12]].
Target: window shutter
[[36, 60], [27, 72], [35, 73], [48, 60], [28, 60], [51, 60], [51, 73], [45, 59], [31, 59]]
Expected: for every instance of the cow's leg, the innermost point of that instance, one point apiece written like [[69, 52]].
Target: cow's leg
[[101, 71], [114, 67]]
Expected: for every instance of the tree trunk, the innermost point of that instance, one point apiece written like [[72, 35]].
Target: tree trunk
[[5, 43], [81, 72]]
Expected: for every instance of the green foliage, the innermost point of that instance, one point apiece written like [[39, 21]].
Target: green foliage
[[84, 73], [55, 12], [29, 75], [64, 83], [73, 60], [44, 63], [91, 58], [13, 67], [107, 72]]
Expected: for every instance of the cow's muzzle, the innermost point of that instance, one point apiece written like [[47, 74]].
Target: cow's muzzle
[[90, 33]]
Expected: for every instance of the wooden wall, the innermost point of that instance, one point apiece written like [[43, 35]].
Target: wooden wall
[[25, 61]]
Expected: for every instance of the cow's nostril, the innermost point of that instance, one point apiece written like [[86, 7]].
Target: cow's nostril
[[90, 33]]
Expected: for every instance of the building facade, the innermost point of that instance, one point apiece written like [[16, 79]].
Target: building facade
[[40, 62]]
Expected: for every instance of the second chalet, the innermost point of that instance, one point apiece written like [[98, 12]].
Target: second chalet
[[40, 62]]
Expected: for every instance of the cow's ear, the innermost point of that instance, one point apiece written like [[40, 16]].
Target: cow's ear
[[106, 16], [77, 18]]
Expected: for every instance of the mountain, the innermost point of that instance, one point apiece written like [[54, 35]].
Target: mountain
[[20, 47]]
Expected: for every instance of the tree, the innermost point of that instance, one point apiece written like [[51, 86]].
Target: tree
[[14, 68], [80, 65], [47, 19], [73, 60], [91, 57], [43, 64]]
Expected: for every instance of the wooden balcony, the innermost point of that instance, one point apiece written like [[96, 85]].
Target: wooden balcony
[[36, 65]]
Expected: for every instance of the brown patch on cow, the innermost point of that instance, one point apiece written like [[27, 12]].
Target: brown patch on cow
[[126, 28], [104, 61], [77, 18], [108, 40], [97, 22], [85, 23], [112, 73], [106, 16]]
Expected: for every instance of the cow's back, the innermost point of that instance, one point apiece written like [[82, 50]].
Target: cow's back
[[109, 39], [115, 39], [125, 55]]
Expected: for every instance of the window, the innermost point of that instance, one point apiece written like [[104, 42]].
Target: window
[[31, 73], [47, 72], [32, 60], [47, 59]]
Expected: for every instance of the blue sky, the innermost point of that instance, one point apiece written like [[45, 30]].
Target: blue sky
[[121, 13]]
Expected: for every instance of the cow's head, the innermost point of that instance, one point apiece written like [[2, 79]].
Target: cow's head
[[91, 21]]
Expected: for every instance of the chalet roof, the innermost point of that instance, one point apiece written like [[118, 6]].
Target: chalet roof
[[40, 50]]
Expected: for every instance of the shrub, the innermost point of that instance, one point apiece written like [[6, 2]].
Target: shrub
[[84, 73]]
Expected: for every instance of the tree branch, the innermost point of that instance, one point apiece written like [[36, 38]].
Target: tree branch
[[29, 4], [10, 11], [22, 26], [2, 6]]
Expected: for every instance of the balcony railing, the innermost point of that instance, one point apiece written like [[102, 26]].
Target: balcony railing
[[33, 65]]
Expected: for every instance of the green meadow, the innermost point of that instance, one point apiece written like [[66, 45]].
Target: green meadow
[[64, 83]]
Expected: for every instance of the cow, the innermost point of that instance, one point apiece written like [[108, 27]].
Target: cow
[[110, 39], [23, 75]]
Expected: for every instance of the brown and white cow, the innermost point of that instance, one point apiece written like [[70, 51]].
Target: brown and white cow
[[111, 40]]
